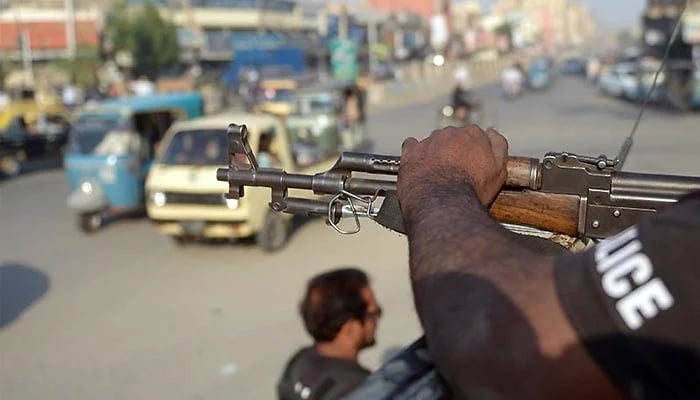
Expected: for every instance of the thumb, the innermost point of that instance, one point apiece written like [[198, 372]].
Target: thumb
[[408, 145]]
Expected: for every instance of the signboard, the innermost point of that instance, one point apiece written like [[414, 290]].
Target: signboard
[[344, 59], [439, 34], [691, 28]]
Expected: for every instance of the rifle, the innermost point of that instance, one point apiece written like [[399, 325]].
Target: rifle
[[579, 196]]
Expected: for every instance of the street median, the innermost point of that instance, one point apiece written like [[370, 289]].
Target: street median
[[420, 81]]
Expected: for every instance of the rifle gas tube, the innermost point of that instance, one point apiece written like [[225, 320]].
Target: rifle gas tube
[[564, 193]]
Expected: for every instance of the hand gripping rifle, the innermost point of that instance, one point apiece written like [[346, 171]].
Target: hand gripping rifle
[[565, 193]]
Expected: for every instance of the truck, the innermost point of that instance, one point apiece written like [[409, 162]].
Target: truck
[[679, 81], [264, 52]]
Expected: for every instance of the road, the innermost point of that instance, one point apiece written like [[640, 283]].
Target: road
[[125, 314]]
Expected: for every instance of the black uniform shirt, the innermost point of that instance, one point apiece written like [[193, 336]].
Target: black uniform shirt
[[312, 376], [634, 300]]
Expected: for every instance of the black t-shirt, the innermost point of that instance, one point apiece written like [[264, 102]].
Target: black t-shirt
[[310, 376], [634, 300]]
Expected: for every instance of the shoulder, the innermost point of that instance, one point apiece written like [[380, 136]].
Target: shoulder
[[299, 355], [345, 378]]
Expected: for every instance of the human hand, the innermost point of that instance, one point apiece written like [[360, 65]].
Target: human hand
[[453, 157]]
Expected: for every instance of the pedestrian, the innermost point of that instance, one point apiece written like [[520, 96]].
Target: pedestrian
[[351, 129], [142, 87], [69, 96], [340, 313]]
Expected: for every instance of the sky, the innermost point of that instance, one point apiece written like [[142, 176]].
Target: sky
[[610, 14]]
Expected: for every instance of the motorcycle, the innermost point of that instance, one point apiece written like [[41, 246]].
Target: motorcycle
[[512, 90], [449, 115], [512, 83]]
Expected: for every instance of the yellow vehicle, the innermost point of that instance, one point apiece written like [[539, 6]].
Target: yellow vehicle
[[276, 95], [185, 200], [28, 108]]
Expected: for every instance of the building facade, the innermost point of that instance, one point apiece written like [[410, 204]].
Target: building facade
[[212, 27], [47, 31], [550, 24]]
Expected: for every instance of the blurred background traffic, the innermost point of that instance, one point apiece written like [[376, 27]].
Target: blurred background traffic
[[124, 272]]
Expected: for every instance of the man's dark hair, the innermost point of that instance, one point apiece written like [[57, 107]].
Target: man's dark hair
[[333, 298]]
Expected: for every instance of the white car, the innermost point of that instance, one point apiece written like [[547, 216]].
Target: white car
[[620, 80]]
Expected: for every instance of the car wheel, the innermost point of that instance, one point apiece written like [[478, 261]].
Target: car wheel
[[274, 233], [181, 241], [90, 222], [10, 165]]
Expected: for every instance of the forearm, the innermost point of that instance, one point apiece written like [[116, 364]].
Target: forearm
[[462, 264], [489, 307], [451, 233]]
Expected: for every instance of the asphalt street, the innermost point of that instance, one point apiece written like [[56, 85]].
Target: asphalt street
[[126, 314]]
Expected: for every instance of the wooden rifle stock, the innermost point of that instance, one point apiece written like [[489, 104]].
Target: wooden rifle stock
[[547, 211], [517, 204], [523, 172]]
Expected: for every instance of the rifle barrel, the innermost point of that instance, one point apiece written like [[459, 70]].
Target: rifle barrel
[[660, 188]]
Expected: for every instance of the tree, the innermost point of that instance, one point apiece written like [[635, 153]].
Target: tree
[[151, 40], [83, 68], [118, 29]]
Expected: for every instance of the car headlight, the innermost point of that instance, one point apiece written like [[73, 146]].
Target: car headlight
[[86, 187], [231, 204], [159, 199], [448, 111]]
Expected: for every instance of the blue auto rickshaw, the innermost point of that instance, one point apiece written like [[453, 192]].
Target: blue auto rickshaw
[[539, 75], [111, 147]]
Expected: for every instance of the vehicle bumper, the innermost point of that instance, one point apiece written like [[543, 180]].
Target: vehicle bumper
[[207, 221], [82, 202], [205, 229]]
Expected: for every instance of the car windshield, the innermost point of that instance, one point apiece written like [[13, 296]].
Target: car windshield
[[16, 128], [271, 94], [197, 147], [316, 103], [20, 127], [90, 133]]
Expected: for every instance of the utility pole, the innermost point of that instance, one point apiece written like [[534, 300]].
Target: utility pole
[[343, 23], [71, 45], [372, 39], [26, 49], [322, 21], [196, 45]]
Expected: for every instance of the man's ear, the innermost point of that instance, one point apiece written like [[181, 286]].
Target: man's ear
[[351, 328]]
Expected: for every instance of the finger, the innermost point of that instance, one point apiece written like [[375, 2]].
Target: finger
[[436, 132], [477, 135], [408, 145], [499, 145]]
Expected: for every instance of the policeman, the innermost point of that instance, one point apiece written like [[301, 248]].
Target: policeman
[[504, 322]]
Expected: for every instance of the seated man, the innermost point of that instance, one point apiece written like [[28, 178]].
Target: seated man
[[340, 313], [266, 156]]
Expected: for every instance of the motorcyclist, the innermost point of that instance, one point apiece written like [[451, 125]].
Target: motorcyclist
[[462, 100], [512, 80]]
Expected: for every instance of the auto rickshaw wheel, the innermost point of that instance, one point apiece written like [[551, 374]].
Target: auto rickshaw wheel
[[90, 222], [274, 233], [10, 165], [181, 241]]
